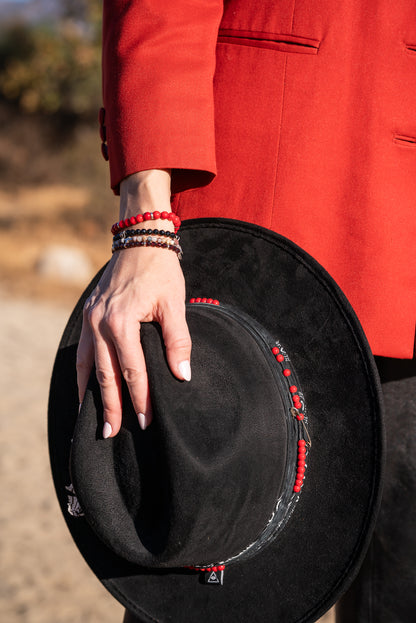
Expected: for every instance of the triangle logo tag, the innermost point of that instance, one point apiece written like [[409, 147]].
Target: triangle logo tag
[[213, 579]]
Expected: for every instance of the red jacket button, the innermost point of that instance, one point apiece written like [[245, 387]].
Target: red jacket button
[[104, 151]]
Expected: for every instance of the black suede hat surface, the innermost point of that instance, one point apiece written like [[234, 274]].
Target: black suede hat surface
[[253, 494]]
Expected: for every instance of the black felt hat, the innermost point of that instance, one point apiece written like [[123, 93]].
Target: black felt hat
[[253, 494]]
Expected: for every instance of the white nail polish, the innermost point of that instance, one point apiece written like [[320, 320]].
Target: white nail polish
[[79, 407], [185, 370], [142, 420], [107, 430]]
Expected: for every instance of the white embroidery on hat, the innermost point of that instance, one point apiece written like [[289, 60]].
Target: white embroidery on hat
[[73, 505]]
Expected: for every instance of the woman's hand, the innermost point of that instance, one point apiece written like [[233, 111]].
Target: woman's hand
[[140, 284]]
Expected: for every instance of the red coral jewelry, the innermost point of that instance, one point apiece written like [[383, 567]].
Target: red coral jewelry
[[147, 216]]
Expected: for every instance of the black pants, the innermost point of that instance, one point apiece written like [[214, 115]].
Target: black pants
[[385, 589]]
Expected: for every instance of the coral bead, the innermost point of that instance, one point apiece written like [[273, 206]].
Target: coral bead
[[156, 215], [147, 216], [275, 350], [287, 372], [293, 389], [296, 489], [301, 442], [280, 358]]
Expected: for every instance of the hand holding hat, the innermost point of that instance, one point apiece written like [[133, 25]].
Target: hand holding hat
[[129, 292]]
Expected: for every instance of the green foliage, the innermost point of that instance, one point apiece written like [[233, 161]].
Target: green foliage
[[53, 68]]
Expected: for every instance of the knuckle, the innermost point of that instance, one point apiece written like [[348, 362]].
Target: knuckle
[[131, 375], [175, 305], [114, 323], [180, 343], [82, 364], [94, 317], [105, 377]]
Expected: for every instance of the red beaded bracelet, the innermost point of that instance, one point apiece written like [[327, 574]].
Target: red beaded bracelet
[[147, 216]]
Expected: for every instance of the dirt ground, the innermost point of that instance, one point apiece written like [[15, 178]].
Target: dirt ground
[[43, 578]]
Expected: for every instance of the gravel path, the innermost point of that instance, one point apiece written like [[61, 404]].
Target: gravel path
[[43, 577]]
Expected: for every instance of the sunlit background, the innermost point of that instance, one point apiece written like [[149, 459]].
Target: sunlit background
[[55, 212]]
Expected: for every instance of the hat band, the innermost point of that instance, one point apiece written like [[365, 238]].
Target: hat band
[[299, 441]]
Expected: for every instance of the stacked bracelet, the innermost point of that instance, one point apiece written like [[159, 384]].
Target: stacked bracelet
[[148, 241], [147, 216], [145, 232]]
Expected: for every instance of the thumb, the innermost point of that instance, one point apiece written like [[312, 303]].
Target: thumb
[[177, 341]]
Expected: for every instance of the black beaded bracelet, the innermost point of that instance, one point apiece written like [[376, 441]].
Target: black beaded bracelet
[[126, 233]]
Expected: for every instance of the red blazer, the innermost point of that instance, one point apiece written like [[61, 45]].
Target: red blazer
[[298, 116]]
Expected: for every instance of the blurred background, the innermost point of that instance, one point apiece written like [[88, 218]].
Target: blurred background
[[56, 209]]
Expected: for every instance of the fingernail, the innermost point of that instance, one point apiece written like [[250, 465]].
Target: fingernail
[[142, 420], [107, 430], [185, 370], [79, 407]]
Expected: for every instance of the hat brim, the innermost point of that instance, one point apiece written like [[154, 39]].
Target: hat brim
[[305, 570]]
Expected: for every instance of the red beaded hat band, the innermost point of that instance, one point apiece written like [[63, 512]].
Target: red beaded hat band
[[147, 216]]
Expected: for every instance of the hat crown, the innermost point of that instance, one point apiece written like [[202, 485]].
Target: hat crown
[[201, 484]]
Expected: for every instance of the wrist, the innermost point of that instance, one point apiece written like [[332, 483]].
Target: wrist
[[145, 191]]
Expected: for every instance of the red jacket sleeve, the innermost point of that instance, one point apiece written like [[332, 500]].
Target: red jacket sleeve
[[158, 67]]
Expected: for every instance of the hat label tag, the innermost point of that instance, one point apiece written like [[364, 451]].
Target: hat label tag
[[214, 577]]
